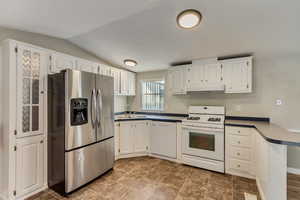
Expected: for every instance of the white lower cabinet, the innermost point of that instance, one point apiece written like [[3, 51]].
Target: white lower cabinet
[[133, 137], [117, 139], [126, 138], [29, 165], [271, 169], [141, 137], [163, 139], [239, 151]]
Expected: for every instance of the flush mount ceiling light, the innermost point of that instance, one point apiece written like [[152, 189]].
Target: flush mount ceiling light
[[130, 63], [188, 19]]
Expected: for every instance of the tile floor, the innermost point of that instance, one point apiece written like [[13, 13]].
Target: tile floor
[[155, 179], [293, 187]]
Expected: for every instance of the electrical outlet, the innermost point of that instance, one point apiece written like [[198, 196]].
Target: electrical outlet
[[278, 102]]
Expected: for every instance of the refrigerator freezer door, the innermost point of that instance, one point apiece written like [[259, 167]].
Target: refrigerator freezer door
[[80, 85], [105, 107], [85, 164]]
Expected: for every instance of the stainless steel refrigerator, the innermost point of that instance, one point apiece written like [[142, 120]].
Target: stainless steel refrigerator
[[80, 129]]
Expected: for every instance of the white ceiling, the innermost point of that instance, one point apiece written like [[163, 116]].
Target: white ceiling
[[146, 30]]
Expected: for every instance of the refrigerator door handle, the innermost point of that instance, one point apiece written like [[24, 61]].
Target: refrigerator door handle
[[99, 100], [92, 107]]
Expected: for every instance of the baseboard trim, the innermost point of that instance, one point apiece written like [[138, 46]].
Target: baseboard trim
[[261, 193], [32, 194], [165, 158], [293, 170], [294, 130], [132, 155]]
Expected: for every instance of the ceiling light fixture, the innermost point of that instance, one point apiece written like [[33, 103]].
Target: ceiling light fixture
[[130, 63], [188, 19]]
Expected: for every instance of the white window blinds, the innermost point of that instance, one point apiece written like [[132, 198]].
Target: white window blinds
[[153, 95]]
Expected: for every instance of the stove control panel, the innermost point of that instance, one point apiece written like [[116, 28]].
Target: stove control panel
[[214, 119], [193, 118]]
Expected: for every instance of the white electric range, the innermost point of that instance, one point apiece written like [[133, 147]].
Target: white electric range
[[203, 137]]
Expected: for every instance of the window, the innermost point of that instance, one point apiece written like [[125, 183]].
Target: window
[[153, 95]]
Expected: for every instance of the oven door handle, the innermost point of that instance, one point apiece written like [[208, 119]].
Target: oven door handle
[[206, 130]]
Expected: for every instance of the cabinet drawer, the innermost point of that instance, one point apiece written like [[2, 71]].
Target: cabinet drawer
[[238, 130], [240, 153], [240, 141], [240, 165]]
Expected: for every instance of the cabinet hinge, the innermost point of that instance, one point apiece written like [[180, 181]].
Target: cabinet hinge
[[15, 148], [15, 192], [15, 132], [16, 49]]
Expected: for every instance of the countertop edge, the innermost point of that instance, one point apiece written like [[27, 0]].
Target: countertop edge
[[271, 140], [150, 119]]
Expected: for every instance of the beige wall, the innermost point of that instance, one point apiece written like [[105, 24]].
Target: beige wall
[[273, 78], [59, 45], [48, 42]]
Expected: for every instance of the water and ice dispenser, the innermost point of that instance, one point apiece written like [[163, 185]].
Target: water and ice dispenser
[[79, 111]]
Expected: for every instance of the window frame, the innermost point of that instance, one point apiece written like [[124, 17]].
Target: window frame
[[141, 96]]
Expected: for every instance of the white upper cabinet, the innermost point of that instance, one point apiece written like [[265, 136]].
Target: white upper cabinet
[[124, 83], [116, 74], [62, 61], [131, 83], [237, 75], [105, 70], [178, 79], [213, 75], [31, 66], [204, 76], [86, 66]]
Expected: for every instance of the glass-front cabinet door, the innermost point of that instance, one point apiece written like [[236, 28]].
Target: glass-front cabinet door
[[31, 65]]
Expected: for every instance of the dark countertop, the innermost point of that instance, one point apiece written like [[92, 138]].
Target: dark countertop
[[152, 118], [269, 131]]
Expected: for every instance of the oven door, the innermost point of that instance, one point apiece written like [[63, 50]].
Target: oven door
[[203, 142]]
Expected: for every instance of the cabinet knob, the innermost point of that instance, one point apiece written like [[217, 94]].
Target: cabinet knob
[[239, 131], [238, 166], [238, 154], [239, 142], [42, 141]]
